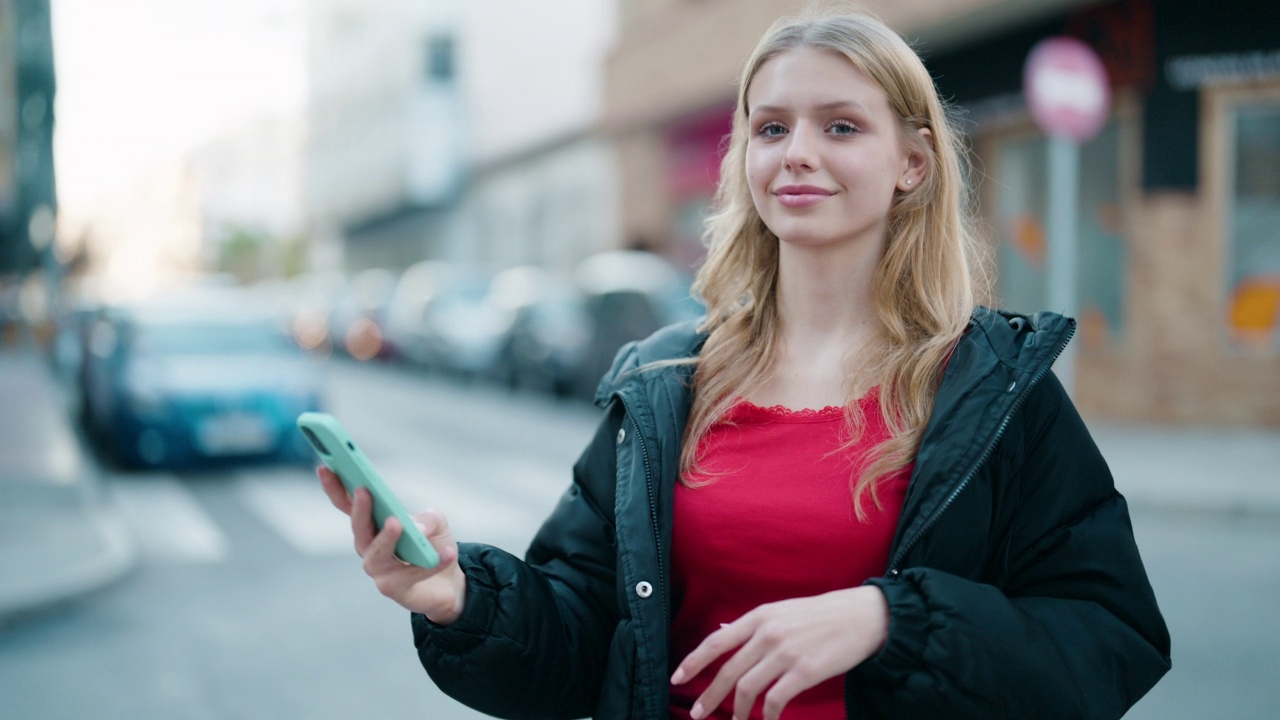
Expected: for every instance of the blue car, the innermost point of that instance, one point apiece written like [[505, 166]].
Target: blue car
[[178, 388]]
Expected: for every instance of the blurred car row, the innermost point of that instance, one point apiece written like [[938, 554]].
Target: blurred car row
[[523, 326], [221, 373]]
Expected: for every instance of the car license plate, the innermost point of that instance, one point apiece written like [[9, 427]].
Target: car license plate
[[234, 434]]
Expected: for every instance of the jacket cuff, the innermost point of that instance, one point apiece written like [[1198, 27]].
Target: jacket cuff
[[903, 651], [472, 626]]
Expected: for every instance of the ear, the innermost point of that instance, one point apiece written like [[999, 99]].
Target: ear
[[917, 163]]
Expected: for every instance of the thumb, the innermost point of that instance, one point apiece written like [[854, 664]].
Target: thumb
[[434, 525]]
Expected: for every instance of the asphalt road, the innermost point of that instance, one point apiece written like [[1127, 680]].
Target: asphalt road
[[249, 602]]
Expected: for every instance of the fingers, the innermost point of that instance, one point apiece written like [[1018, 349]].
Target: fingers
[[380, 554], [783, 691], [746, 675], [362, 526], [434, 525], [776, 659], [334, 489], [755, 670], [716, 644], [435, 528]]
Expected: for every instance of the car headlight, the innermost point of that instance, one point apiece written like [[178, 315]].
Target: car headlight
[[144, 395]]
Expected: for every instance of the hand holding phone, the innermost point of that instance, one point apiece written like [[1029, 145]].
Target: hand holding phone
[[339, 453], [434, 584]]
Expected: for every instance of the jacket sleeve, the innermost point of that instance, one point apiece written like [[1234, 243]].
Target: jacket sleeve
[[1072, 629], [532, 639]]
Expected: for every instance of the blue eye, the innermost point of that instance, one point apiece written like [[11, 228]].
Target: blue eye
[[842, 127], [771, 129]]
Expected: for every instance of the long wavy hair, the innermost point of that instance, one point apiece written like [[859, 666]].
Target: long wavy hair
[[925, 286]]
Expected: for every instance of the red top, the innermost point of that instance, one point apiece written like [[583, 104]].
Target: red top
[[776, 522]]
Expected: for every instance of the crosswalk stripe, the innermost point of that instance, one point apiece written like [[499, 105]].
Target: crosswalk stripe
[[171, 525], [291, 503], [168, 522], [475, 512]]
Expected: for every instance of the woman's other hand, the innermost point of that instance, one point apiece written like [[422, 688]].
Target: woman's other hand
[[438, 593], [788, 647]]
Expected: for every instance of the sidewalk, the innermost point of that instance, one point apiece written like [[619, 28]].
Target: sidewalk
[[1233, 471], [59, 537]]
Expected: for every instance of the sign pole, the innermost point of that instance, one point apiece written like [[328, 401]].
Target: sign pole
[[1068, 95], [1063, 255]]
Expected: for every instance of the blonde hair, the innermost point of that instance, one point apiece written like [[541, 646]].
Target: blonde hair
[[926, 284]]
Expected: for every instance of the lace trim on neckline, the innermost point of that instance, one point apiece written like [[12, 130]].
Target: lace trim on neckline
[[748, 409], [782, 412]]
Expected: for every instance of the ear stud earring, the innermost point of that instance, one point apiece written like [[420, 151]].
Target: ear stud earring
[[909, 181]]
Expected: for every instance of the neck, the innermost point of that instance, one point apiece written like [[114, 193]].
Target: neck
[[825, 296], [827, 326]]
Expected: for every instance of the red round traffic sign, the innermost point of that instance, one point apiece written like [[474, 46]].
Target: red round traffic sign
[[1066, 88]]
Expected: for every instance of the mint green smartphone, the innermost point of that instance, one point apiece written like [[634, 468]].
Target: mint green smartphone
[[339, 453]]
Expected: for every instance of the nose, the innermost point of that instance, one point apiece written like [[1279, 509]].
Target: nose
[[801, 149]]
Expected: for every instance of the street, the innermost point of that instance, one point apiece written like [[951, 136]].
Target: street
[[250, 603]]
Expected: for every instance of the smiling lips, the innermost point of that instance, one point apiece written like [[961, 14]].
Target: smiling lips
[[801, 196]]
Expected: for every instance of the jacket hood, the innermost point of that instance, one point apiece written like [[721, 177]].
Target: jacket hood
[[674, 342], [1021, 341]]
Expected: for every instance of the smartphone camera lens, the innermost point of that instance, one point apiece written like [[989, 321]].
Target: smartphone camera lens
[[315, 441]]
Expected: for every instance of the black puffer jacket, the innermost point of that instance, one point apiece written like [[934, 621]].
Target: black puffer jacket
[[1015, 588]]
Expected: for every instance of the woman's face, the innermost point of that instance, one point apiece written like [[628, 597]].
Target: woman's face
[[823, 154]]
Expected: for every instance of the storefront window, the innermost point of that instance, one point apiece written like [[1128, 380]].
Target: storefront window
[[1021, 212], [1021, 203], [1254, 226]]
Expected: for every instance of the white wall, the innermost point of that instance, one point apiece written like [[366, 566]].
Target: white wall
[[551, 209], [533, 71], [380, 132]]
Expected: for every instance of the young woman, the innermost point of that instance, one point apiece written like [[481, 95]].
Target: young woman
[[848, 492]]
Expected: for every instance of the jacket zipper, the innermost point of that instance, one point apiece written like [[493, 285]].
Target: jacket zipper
[[898, 557], [653, 505]]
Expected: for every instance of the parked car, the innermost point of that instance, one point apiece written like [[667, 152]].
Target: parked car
[[177, 385], [462, 331], [547, 332], [628, 294], [438, 318], [414, 291]]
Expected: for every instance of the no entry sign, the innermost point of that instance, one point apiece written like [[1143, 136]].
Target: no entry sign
[[1066, 88]]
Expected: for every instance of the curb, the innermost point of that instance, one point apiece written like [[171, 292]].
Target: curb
[[61, 535], [1225, 507], [62, 574]]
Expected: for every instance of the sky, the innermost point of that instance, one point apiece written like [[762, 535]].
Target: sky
[[141, 82]]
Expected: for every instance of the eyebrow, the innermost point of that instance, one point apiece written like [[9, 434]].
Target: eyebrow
[[834, 105]]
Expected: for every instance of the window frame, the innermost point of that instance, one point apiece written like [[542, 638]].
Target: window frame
[[1220, 102]]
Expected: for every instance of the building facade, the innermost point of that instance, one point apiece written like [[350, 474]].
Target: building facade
[[502, 124], [1179, 195], [27, 198], [551, 206], [384, 112]]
